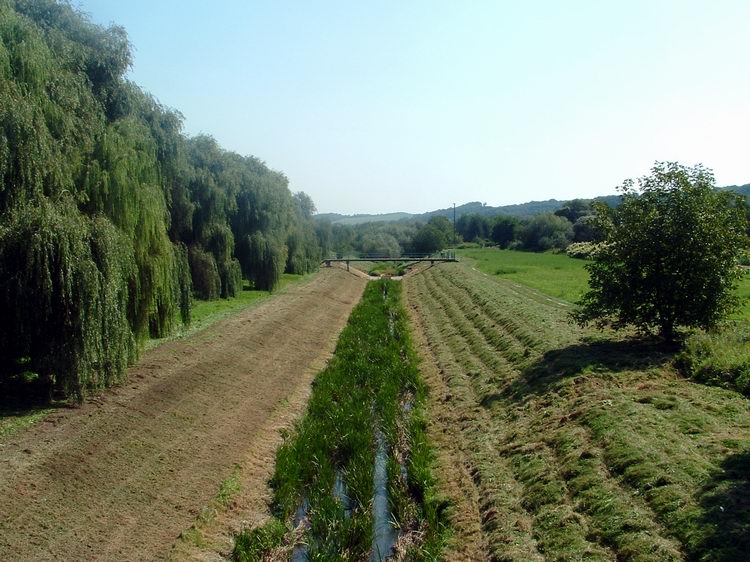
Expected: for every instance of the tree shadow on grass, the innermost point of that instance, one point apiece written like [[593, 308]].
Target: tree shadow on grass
[[585, 357], [725, 503], [21, 399]]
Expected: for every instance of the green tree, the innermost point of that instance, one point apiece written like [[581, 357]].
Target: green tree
[[428, 239], [546, 231], [504, 230], [669, 259], [575, 209], [381, 244], [444, 225]]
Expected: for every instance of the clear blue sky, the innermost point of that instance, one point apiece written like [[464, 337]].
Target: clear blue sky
[[414, 105]]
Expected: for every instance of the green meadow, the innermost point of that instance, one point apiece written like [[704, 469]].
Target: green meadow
[[556, 275]]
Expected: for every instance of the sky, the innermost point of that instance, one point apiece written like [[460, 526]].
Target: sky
[[410, 105]]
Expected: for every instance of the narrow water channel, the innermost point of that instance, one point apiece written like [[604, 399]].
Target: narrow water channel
[[384, 534]]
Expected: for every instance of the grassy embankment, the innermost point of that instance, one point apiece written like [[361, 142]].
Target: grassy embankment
[[371, 386], [17, 416], [556, 275], [206, 313], [581, 445], [721, 357]]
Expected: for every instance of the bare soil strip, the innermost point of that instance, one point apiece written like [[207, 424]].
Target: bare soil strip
[[121, 477]]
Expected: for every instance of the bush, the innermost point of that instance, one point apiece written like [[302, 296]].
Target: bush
[[719, 358], [582, 250]]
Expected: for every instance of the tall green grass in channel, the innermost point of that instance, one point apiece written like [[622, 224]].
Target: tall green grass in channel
[[323, 482]]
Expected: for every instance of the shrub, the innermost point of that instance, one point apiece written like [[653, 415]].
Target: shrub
[[720, 358], [582, 250]]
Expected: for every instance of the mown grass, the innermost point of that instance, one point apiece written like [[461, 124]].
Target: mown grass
[[556, 275], [371, 376], [23, 412], [583, 445], [206, 313], [721, 357]]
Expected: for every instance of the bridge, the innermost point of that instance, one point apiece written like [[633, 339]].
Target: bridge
[[409, 259]]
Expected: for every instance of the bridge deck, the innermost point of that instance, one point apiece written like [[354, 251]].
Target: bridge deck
[[410, 259]]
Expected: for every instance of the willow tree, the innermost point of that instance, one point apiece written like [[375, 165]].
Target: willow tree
[[122, 182], [213, 184], [64, 294], [88, 266], [264, 258], [302, 242], [110, 217]]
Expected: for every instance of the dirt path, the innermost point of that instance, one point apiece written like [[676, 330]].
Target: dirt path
[[121, 477]]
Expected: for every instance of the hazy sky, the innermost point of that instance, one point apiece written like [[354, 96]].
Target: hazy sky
[[378, 106]]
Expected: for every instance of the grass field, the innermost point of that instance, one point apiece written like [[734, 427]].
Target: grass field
[[579, 444], [744, 293], [556, 275]]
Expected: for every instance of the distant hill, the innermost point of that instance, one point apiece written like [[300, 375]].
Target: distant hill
[[352, 220], [743, 189], [521, 210]]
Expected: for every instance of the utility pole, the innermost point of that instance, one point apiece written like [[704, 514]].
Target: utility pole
[[454, 225]]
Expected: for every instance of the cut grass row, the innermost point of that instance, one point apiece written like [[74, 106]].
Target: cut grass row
[[720, 357], [582, 445], [365, 389]]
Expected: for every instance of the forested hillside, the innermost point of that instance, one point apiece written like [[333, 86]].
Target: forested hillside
[[111, 219]]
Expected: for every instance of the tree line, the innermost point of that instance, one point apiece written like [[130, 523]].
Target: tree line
[[572, 222], [111, 218]]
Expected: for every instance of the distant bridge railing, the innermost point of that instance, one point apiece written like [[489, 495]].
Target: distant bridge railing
[[443, 255], [411, 258]]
